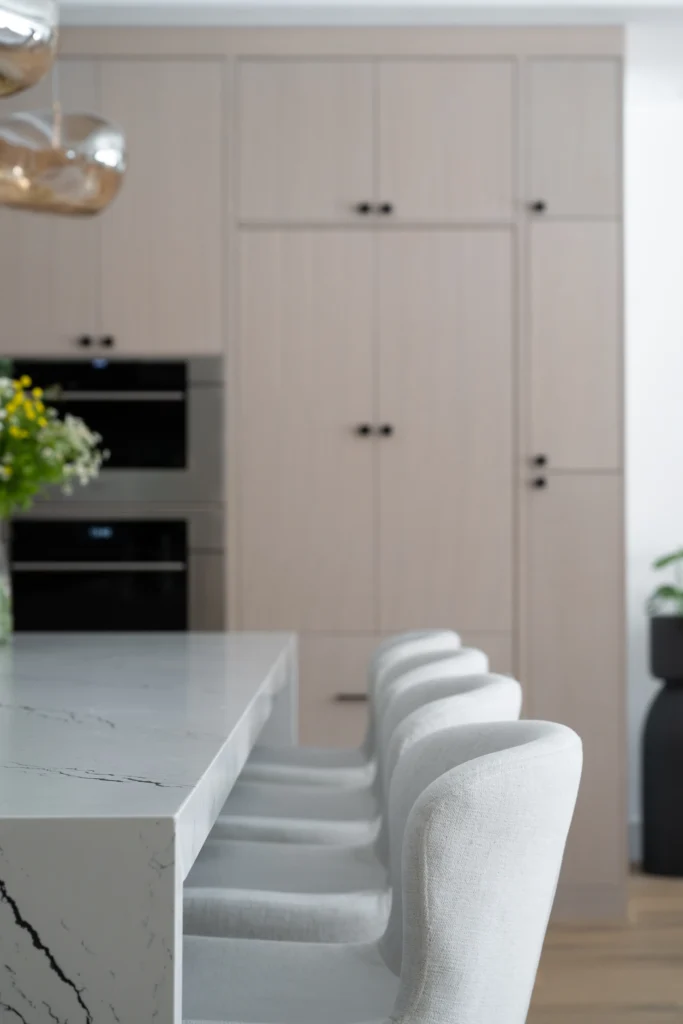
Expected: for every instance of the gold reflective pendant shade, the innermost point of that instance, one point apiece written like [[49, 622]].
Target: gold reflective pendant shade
[[28, 41], [69, 163]]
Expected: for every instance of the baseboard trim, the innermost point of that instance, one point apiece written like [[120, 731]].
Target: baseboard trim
[[590, 902]]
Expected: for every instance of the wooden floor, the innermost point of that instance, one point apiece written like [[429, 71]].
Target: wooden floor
[[620, 974]]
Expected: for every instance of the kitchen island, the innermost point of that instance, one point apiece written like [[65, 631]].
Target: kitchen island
[[117, 753]]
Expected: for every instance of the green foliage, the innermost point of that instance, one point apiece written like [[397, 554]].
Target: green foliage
[[668, 598], [38, 449]]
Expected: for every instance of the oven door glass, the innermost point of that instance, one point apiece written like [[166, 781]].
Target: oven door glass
[[139, 432], [97, 575], [100, 600]]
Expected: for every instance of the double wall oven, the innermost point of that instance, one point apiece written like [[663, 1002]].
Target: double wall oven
[[142, 547]]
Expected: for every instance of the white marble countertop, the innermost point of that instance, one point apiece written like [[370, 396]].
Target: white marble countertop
[[117, 753], [122, 725]]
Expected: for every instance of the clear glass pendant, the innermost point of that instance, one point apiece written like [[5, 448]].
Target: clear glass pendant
[[60, 163], [28, 42]]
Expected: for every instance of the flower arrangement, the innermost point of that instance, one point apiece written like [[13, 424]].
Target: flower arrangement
[[38, 449]]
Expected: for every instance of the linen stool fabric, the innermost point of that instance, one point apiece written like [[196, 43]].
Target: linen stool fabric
[[288, 813], [325, 894], [329, 767], [483, 812]]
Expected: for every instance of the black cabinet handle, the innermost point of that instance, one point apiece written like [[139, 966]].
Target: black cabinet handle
[[85, 341], [351, 698], [538, 206], [363, 209], [540, 483], [364, 430], [107, 341], [540, 460], [386, 209], [387, 430]]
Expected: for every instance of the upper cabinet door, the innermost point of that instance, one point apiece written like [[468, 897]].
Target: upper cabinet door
[[49, 265], [575, 137], [162, 267], [306, 140], [576, 344], [446, 387], [306, 472], [446, 130]]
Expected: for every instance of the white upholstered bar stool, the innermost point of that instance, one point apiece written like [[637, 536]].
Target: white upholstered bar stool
[[328, 767], [275, 812], [324, 893], [483, 813]]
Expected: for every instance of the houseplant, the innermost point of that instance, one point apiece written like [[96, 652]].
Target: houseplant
[[38, 449], [663, 734]]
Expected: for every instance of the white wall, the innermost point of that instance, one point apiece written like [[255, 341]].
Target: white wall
[[654, 315]]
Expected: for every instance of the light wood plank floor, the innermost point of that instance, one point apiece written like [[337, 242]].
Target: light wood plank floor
[[629, 973]]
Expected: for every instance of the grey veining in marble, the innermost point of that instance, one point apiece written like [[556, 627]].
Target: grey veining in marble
[[116, 755]]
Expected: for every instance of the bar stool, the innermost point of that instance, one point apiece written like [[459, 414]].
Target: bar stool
[[481, 813], [325, 766], [275, 812], [325, 893]]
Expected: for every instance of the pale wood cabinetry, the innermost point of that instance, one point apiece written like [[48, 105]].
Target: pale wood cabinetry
[[148, 272], [575, 343], [49, 266], [337, 140], [574, 136], [445, 386], [162, 243], [446, 139], [575, 670], [306, 139], [305, 497]]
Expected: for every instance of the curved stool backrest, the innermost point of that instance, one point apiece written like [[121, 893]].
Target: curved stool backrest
[[400, 654], [466, 701], [483, 812]]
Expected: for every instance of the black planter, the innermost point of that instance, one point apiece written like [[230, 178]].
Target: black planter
[[663, 753]]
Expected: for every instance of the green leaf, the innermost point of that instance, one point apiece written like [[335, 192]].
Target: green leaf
[[667, 593], [666, 560]]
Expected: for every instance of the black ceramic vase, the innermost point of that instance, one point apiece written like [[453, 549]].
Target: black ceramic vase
[[663, 753]]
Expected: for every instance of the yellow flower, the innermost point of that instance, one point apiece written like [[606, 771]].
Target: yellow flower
[[38, 392], [16, 384], [42, 422], [30, 414], [39, 406], [25, 381], [16, 432]]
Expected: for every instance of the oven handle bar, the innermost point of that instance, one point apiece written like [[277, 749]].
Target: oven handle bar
[[119, 396], [99, 567]]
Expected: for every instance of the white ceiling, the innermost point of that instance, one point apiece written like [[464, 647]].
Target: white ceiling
[[364, 12]]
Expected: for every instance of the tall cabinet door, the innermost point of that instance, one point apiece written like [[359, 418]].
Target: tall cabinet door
[[305, 478], [306, 145], [575, 670], [49, 266], [446, 381], [575, 338], [446, 139], [162, 240], [574, 136]]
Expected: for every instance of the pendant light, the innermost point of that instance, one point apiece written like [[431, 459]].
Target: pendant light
[[60, 163], [28, 41]]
